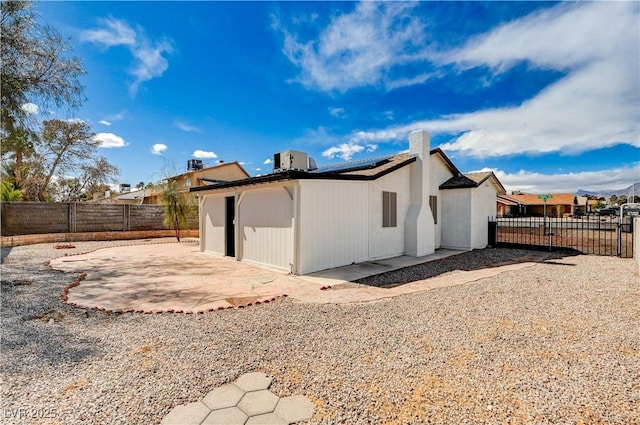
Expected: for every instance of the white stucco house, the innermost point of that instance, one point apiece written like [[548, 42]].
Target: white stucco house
[[314, 219]]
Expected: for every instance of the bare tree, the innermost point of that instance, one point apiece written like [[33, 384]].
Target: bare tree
[[94, 177], [66, 146]]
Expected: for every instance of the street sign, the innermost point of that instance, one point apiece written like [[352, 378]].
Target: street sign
[[545, 197]]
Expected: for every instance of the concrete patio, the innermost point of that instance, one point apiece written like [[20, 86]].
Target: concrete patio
[[178, 278]]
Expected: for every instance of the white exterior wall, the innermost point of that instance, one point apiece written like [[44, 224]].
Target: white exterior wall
[[483, 206], [386, 242], [212, 219], [333, 224], [456, 218], [440, 173], [264, 221]]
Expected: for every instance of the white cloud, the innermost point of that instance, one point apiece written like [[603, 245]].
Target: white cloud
[[158, 148], [105, 122], [344, 151], [115, 117], [114, 33], [187, 127], [594, 106], [360, 48], [532, 182], [150, 60], [30, 108], [257, 169], [268, 161], [337, 112], [110, 140], [204, 154]]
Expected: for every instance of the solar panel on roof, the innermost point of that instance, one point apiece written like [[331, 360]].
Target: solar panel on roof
[[353, 165]]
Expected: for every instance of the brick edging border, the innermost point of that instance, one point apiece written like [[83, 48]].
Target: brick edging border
[[19, 240], [83, 275]]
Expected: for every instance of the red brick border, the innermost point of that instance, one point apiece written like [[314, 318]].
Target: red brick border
[[11, 241]]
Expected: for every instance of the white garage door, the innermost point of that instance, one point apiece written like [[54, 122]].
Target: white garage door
[[266, 227]]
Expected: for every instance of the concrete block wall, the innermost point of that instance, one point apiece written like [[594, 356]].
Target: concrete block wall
[[28, 218]]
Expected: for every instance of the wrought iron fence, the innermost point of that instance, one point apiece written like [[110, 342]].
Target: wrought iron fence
[[589, 235]]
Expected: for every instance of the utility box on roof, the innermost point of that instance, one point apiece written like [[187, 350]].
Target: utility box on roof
[[292, 160]]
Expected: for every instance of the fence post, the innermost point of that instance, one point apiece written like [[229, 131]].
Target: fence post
[[72, 217], [126, 217], [493, 232]]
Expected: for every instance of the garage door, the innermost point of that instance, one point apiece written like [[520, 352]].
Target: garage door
[[266, 227]]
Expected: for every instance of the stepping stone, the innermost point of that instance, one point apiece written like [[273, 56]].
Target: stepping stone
[[225, 396], [258, 402], [254, 381], [266, 419], [188, 414], [295, 408], [228, 416]]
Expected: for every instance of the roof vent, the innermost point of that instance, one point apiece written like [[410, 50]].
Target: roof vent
[[293, 160]]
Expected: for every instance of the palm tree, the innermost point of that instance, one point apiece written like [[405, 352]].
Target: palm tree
[[8, 193], [176, 208]]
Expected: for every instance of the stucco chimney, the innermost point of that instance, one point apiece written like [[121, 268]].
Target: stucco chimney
[[419, 233]]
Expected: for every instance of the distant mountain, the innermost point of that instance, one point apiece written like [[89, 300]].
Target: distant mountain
[[634, 189]]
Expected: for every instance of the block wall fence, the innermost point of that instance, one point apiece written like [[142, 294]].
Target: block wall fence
[[28, 218]]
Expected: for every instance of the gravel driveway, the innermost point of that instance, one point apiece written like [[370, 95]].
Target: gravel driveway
[[558, 342]]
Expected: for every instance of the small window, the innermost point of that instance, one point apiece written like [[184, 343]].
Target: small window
[[187, 182], [433, 203], [389, 209]]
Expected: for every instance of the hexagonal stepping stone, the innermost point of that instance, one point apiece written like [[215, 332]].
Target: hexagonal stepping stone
[[227, 395], [187, 414], [254, 381], [266, 419], [295, 409], [258, 402], [228, 416]]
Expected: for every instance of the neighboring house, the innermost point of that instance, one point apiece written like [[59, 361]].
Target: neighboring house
[[558, 205], [194, 177], [308, 220]]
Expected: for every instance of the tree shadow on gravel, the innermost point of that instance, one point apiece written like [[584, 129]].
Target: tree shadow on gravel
[[467, 261], [4, 253], [35, 323]]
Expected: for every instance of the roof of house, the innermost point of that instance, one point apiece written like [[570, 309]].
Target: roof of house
[[214, 167], [532, 199], [471, 180], [369, 169]]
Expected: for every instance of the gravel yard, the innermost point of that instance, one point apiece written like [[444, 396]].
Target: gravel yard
[[558, 342]]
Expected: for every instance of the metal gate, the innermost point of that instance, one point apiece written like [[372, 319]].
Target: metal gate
[[589, 235]]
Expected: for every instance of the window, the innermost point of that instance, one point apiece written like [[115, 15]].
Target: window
[[389, 209], [433, 203], [187, 182]]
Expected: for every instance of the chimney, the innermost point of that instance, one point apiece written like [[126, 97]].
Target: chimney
[[419, 228]]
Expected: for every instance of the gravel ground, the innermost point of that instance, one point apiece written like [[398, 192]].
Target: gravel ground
[[558, 342]]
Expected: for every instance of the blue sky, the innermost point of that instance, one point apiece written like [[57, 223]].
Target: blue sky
[[547, 95]]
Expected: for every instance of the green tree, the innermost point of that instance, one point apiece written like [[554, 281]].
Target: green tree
[[36, 64], [140, 185], [613, 200], [37, 71], [177, 208], [8, 193]]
